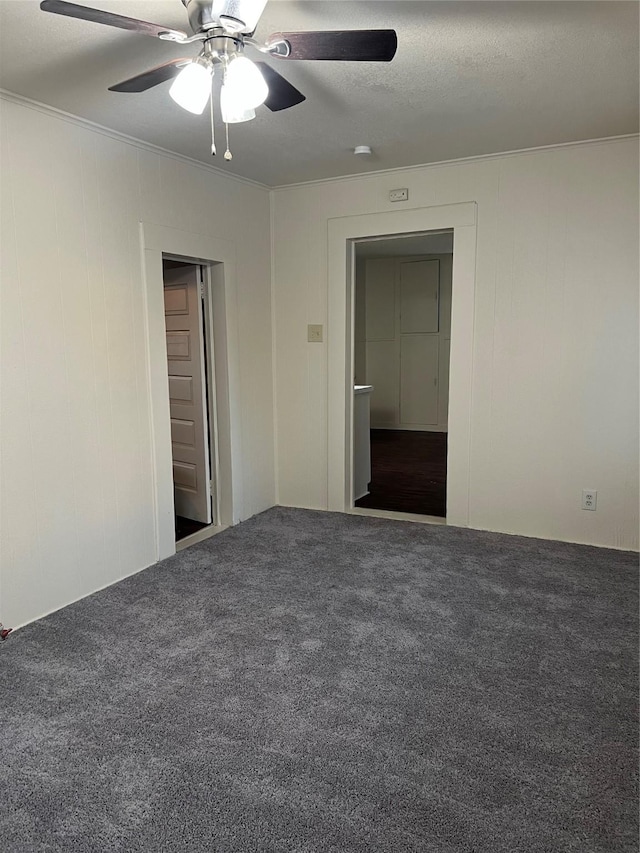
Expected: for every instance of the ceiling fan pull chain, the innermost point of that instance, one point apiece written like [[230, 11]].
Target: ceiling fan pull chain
[[227, 154], [213, 130]]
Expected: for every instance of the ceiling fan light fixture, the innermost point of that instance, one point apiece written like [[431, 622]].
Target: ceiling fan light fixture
[[245, 84], [192, 87], [232, 111]]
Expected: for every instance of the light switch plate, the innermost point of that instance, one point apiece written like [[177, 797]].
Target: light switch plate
[[399, 194], [314, 334]]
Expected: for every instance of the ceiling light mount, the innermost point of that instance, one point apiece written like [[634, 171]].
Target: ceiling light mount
[[363, 151], [222, 47]]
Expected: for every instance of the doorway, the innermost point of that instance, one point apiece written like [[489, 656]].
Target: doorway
[[190, 415], [343, 233], [402, 334], [218, 261]]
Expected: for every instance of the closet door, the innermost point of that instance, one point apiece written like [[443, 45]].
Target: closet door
[[382, 351], [419, 379], [187, 402], [419, 297], [419, 293]]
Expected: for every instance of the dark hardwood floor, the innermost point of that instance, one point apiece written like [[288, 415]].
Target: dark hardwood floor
[[408, 472], [185, 527]]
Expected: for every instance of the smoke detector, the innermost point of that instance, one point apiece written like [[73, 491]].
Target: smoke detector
[[362, 150]]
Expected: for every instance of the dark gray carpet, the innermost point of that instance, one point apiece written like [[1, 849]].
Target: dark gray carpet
[[318, 682]]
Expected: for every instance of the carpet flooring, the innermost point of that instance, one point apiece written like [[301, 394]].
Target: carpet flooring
[[408, 472], [318, 683]]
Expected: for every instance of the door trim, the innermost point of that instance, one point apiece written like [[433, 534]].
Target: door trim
[[220, 311], [343, 233]]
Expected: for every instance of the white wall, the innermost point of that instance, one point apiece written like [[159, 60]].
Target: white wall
[[554, 406], [555, 365], [77, 485]]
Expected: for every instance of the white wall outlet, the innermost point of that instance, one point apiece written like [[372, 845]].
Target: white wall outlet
[[399, 195], [314, 334], [589, 499]]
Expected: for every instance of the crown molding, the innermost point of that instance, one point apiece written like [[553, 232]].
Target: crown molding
[[455, 162], [12, 97], [21, 100]]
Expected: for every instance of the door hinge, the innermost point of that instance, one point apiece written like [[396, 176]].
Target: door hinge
[[202, 290]]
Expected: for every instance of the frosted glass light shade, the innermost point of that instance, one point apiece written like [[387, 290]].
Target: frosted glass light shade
[[232, 111], [245, 83], [192, 87]]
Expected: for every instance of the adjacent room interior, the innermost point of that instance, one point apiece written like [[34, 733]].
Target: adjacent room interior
[[319, 424], [402, 333]]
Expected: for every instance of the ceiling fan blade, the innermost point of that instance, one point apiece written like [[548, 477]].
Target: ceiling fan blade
[[72, 10], [282, 94], [150, 78], [341, 45]]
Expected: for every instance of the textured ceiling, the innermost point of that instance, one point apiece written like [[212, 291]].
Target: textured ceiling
[[469, 78]]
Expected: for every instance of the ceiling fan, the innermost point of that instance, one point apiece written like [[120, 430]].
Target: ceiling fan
[[225, 28]]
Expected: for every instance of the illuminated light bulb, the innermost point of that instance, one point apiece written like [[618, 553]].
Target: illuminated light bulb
[[192, 87], [245, 83]]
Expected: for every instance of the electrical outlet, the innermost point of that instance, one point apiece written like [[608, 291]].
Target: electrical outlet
[[399, 195], [314, 334], [589, 499]]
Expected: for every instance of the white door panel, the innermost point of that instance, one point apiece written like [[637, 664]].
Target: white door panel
[[179, 346], [189, 427], [185, 476], [380, 300], [398, 299], [181, 389], [419, 294], [419, 379], [176, 298], [183, 432]]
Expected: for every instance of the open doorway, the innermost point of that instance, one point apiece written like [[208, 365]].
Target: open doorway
[[401, 340], [191, 414], [344, 232], [218, 261]]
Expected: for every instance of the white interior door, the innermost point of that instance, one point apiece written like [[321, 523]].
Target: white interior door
[[419, 296], [419, 379], [381, 347], [419, 342], [404, 316], [187, 397]]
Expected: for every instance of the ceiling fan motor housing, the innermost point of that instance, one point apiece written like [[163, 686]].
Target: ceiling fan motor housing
[[200, 14], [232, 15]]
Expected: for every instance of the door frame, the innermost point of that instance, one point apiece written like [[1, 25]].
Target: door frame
[[343, 233], [218, 258]]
